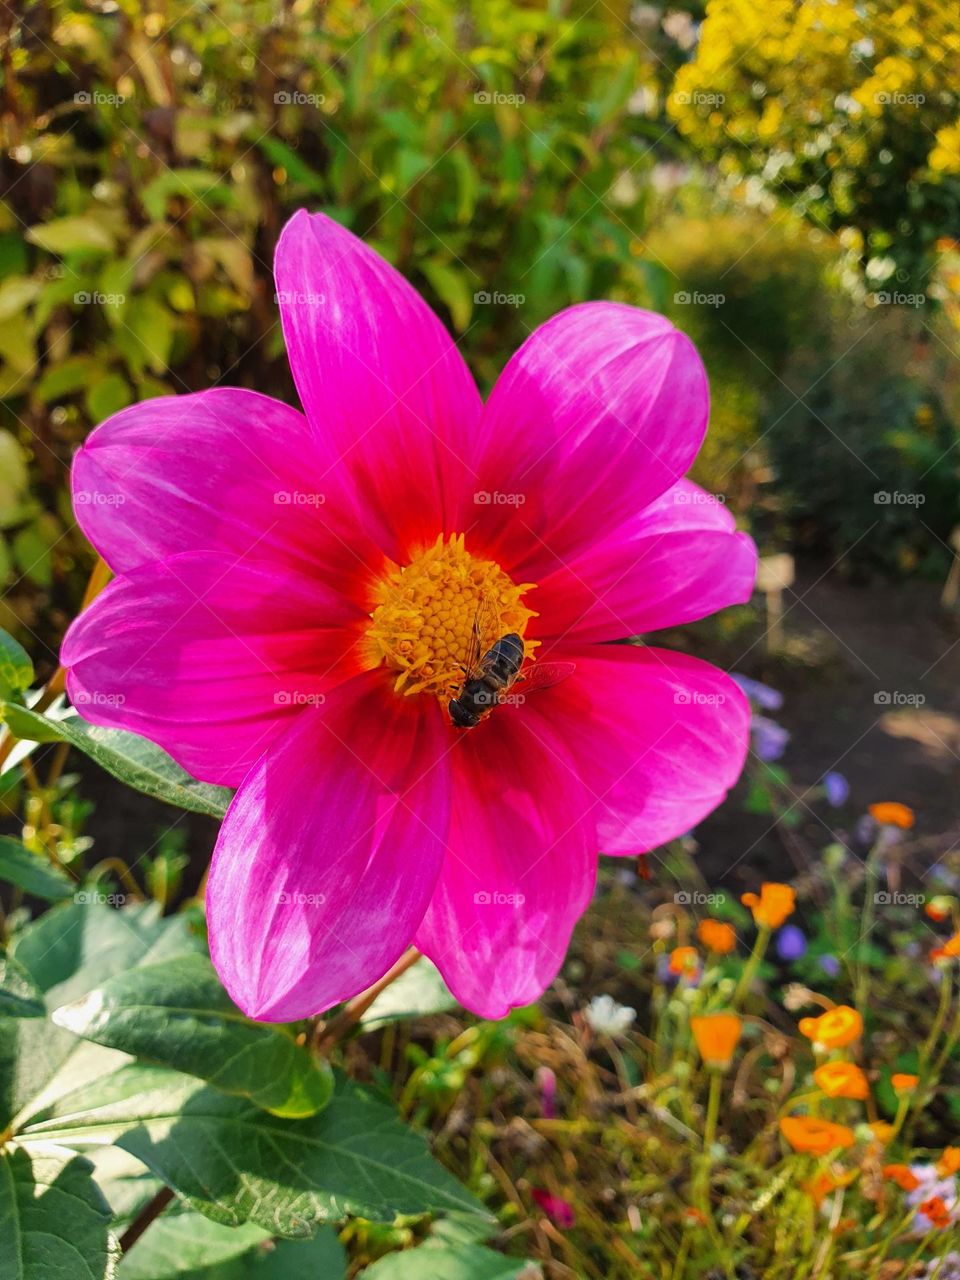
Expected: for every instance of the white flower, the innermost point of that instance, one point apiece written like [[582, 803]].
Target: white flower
[[607, 1017]]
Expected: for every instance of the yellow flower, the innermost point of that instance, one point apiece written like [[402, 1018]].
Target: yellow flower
[[882, 1132], [841, 1080], [717, 936], [834, 1029], [771, 908], [717, 1035], [889, 813], [904, 1083], [683, 959], [818, 1137]]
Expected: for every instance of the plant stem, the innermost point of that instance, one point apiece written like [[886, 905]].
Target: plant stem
[[752, 965], [147, 1214], [866, 925], [328, 1033]]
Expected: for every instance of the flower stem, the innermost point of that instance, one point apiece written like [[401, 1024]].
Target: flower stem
[[329, 1033], [752, 965]]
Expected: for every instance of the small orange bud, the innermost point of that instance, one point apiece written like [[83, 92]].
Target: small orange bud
[[717, 1036], [717, 936], [890, 813], [774, 903], [903, 1082], [684, 960], [841, 1080], [949, 1162], [834, 1029]]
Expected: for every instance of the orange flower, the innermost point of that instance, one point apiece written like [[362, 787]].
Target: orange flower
[[936, 1210], [939, 908], [952, 946], [834, 1029], [819, 1188], [717, 1035], [903, 1083], [889, 813], [818, 1137], [717, 936], [949, 1162], [771, 908], [683, 959], [841, 1080], [902, 1175]]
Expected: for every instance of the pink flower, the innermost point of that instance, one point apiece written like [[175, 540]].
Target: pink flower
[[560, 1211], [296, 595]]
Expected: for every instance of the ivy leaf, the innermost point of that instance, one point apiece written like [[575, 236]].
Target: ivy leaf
[[236, 1163], [178, 1014], [19, 998], [54, 1221], [135, 761], [35, 876]]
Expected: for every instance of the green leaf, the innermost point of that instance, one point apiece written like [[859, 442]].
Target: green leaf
[[16, 669], [107, 396], [31, 873], [64, 235], [27, 725], [449, 1262], [179, 1244], [178, 1014], [16, 294], [419, 991], [54, 1222], [152, 326], [19, 998], [65, 379], [135, 761], [236, 1163]]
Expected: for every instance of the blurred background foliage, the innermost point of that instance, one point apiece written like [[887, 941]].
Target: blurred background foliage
[[745, 174]]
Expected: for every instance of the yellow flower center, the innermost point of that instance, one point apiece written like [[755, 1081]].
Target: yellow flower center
[[434, 614]]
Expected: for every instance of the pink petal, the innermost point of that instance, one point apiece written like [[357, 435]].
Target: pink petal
[[386, 391], [658, 737], [329, 853], [678, 560], [223, 470], [520, 869], [601, 410], [210, 656]]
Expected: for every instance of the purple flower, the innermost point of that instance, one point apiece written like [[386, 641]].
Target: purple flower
[[837, 789], [830, 965], [791, 944], [759, 694], [769, 738], [547, 1081]]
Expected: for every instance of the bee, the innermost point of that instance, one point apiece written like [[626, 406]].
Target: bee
[[489, 676]]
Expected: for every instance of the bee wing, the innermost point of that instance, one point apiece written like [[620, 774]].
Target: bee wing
[[482, 625], [544, 674]]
